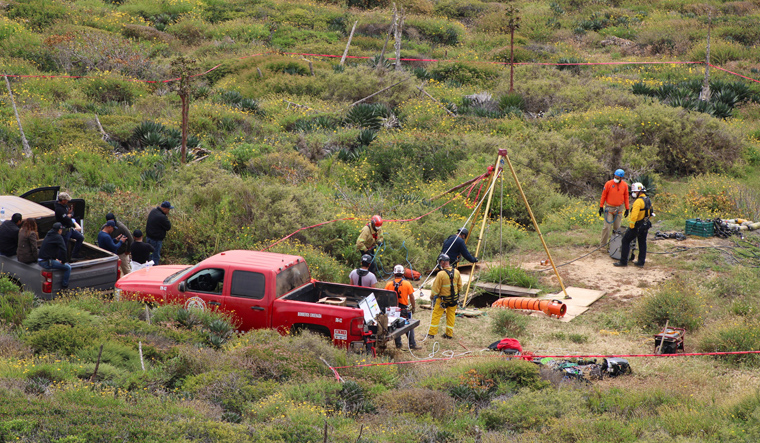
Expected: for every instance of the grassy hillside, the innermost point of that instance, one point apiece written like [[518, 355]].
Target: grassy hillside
[[276, 145]]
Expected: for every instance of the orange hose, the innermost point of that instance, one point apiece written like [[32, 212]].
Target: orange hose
[[548, 307]]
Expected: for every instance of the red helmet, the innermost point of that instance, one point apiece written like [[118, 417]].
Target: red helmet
[[376, 221]]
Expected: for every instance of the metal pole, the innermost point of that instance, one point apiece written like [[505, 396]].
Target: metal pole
[[483, 225], [503, 152]]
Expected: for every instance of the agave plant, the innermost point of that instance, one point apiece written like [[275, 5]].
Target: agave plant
[[366, 137], [641, 88], [379, 61], [364, 115]]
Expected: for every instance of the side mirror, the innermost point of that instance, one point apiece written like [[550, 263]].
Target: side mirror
[[181, 287]]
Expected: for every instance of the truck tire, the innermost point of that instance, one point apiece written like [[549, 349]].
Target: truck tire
[[299, 328]]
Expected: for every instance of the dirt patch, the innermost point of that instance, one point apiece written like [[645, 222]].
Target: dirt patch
[[596, 270]]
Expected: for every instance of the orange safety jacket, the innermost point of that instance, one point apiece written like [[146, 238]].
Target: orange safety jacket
[[615, 194]]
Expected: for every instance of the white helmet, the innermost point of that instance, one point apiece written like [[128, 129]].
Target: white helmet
[[398, 270], [637, 187]]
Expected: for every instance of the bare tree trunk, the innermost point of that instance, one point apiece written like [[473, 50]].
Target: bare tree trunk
[[24, 143], [512, 59], [398, 34], [97, 365], [100, 127], [185, 116], [390, 31], [350, 36], [704, 95]]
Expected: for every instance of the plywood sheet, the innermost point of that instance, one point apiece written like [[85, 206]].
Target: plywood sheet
[[507, 290], [580, 296]]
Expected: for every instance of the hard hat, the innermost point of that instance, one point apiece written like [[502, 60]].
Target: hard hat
[[398, 270], [637, 187], [463, 231], [376, 221], [366, 259], [443, 257], [620, 173]]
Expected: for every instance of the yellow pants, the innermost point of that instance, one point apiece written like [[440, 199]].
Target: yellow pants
[[451, 315]]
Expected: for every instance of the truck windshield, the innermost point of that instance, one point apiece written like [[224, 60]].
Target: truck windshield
[[179, 274], [292, 277]]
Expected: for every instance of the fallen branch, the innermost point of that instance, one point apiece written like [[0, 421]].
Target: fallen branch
[[100, 127], [378, 92], [97, 365], [439, 103]]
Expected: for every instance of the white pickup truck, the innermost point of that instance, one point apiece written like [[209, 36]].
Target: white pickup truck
[[98, 269]]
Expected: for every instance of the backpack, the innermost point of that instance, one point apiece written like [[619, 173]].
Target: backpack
[[647, 212], [361, 273], [453, 298]]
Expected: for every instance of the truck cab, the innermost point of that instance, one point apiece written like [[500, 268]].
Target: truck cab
[[263, 290]]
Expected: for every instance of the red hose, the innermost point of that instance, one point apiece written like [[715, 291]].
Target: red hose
[[548, 307]]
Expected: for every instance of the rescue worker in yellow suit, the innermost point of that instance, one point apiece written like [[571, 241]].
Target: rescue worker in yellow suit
[[445, 296], [369, 238]]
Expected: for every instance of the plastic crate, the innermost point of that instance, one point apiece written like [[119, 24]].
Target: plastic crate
[[700, 228]]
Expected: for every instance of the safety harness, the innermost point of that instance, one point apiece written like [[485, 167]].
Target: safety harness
[[453, 298], [647, 212]]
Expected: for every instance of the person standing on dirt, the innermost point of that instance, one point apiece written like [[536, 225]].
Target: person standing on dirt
[[369, 238], [156, 228], [445, 297], [454, 246], [639, 226], [362, 276], [405, 293], [64, 214], [614, 199]]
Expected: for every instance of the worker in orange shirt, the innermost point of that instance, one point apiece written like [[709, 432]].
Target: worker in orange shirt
[[405, 293], [614, 199]]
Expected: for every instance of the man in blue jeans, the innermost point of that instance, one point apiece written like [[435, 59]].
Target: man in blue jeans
[[156, 227], [53, 252]]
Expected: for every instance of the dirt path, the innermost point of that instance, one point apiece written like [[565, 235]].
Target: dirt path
[[597, 272]]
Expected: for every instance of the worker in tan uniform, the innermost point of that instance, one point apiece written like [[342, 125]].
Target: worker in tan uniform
[[614, 200], [445, 296], [369, 238]]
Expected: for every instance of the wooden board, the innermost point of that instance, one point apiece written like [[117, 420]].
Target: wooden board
[[580, 296], [571, 313], [495, 288]]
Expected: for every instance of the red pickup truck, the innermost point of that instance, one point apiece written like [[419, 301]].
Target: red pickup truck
[[268, 290]]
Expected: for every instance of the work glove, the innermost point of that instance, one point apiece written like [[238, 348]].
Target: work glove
[[476, 260], [601, 212], [625, 214]]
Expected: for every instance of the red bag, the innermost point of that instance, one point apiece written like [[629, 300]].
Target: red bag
[[509, 343]]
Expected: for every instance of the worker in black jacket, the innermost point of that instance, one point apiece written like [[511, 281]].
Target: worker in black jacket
[[53, 253], [454, 246], [64, 216], [9, 235], [156, 228]]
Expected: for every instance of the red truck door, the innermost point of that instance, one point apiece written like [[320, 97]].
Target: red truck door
[[205, 284], [247, 300]]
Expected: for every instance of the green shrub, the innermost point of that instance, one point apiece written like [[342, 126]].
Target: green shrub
[[457, 9], [436, 30], [530, 410], [53, 314], [39, 14], [675, 301], [510, 275], [739, 335], [14, 305], [628, 404], [115, 354], [106, 372], [508, 323], [460, 74], [61, 338], [513, 375]]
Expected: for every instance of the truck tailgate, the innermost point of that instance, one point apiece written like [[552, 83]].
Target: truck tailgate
[[99, 273]]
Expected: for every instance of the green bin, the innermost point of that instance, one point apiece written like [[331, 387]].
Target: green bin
[[699, 228]]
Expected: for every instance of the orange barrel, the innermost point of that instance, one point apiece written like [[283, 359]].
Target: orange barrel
[[548, 307]]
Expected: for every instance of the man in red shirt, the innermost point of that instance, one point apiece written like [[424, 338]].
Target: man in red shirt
[[614, 198]]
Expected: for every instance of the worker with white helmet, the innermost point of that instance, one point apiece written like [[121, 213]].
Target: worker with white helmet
[[639, 226], [405, 293]]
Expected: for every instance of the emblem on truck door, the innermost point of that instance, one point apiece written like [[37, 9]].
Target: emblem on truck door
[[195, 303], [338, 320]]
